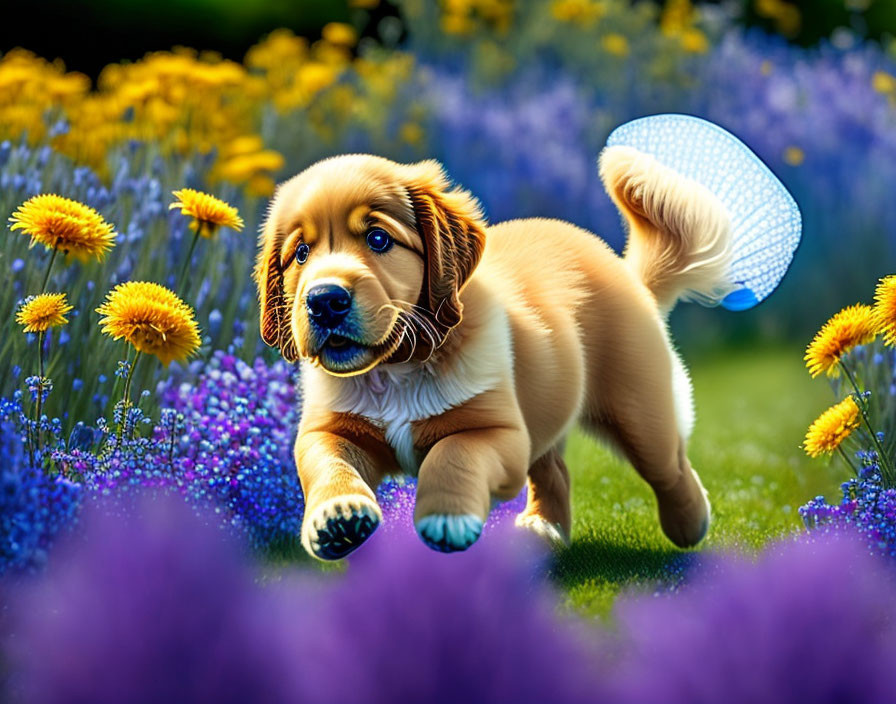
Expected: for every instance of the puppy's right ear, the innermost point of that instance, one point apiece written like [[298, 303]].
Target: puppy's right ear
[[274, 317]]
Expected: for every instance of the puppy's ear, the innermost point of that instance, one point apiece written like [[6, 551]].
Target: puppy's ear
[[452, 227], [274, 317]]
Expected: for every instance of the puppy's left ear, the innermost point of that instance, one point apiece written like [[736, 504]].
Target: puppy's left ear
[[274, 316], [452, 227]]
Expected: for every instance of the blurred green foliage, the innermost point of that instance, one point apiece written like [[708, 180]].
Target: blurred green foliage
[[113, 30], [810, 21]]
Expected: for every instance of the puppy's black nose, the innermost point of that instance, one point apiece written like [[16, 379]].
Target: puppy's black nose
[[328, 304]]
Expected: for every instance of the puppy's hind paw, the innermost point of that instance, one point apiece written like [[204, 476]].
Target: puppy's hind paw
[[449, 533], [338, 526], [552, 533]]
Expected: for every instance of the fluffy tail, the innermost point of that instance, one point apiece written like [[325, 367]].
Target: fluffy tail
[[707, 220], [679, 239]]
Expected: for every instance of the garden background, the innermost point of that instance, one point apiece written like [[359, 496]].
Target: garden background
[[516, 100]]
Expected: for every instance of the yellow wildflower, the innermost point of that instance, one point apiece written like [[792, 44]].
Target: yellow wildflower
[[457, 24], [694, 41], [411, 133], [152, 319], [786, 16], [260, 186], [885, 308], [883, 82], [794, 156], [832, 427], [852, 326], [582, 12], [208, 213], [39, 313], [615, 44], [65, 225], [340, 33], [314, 76], [244, 144], [242, 167]]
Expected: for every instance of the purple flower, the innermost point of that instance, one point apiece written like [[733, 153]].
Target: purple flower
[[34, 507], [150, 607], [407, 624], [813, 621], [151, 604]]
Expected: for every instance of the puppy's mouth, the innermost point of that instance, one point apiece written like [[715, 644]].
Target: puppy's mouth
[[338, 342], [340, 354], [346, 356]]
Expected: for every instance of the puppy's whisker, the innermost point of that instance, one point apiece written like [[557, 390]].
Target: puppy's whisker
[[426, 327], [408, 329], [422, 318]]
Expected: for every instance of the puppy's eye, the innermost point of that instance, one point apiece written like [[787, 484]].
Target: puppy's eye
[[379, 240], [302, 252]]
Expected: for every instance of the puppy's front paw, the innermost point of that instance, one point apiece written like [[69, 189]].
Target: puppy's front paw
[[447, 533], [334, 528], [550, 532]]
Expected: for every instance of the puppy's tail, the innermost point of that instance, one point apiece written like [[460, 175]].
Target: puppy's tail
[[707, 221]]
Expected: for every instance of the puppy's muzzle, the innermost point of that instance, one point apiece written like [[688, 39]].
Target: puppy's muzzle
[[328, 305]]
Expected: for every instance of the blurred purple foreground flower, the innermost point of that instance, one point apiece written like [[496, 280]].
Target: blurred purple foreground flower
[[158, 607], [813, 621]]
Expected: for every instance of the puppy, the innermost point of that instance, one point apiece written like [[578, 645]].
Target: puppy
[[463, 354]]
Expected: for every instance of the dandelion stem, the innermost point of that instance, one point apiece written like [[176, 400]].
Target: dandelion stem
[[183, 272], [886, 470], [847, 460], [43, 286], [126, 400]]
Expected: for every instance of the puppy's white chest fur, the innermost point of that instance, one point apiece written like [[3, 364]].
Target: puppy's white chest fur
[[394, 400], [393, 397]]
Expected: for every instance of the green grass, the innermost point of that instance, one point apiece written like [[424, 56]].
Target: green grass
[[753, 408]]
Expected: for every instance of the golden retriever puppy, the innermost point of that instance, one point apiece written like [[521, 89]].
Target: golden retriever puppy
[[463, 354]]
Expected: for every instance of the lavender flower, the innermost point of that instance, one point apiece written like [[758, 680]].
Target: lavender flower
[[813, 621], [147, 605], [408, 624], [152, 604], [34, 507], [224, 440]]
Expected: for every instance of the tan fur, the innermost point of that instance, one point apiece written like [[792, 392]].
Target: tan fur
[[486, 345], [679, 233]]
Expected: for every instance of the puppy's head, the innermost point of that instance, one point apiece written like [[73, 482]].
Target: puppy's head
[[362, 261]]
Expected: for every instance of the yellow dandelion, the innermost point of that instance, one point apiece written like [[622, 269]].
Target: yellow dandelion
[[152, 319], [694, 41], [832, 427], [794, 156], [64, 225], [340, 33], [852, 326], [885, 308], [40, 313], [615, 44], [883, 82], [208, 213]]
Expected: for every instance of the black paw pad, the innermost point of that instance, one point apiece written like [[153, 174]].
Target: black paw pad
[[342, 534]]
